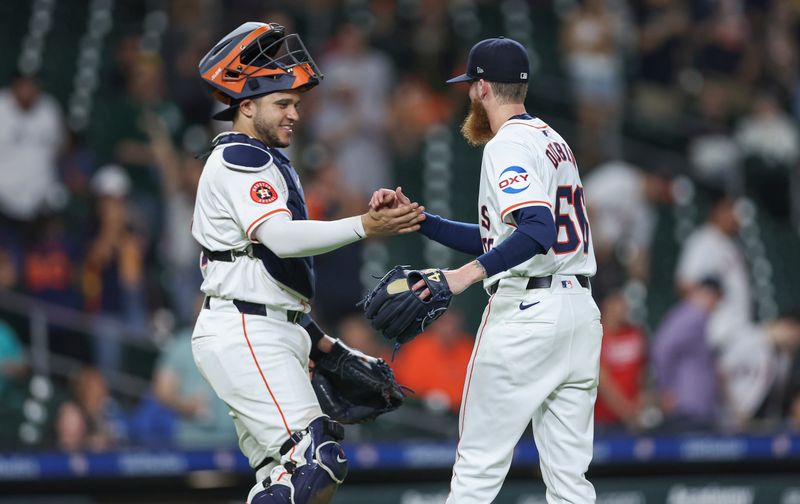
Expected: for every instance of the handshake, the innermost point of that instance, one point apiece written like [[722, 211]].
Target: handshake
[[392, 213]]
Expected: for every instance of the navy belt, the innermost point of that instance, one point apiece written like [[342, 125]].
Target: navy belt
[[544, 283], [223, 255], [248, 308]]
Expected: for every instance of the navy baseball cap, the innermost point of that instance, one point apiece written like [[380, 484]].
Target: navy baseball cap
[[496, 59]]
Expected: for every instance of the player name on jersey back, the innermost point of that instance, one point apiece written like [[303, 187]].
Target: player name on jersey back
[[526, 164]]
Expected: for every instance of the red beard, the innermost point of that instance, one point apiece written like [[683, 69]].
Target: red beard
[[476, 128]]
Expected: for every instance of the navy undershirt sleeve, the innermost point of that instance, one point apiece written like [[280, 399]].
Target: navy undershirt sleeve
[[535, 234], [314, 332], [457, 235]]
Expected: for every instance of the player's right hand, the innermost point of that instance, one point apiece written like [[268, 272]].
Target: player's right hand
[[387, 198], [386, 221]]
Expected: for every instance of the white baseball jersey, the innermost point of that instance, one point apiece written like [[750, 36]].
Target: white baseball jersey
[[232, 200], [528, 164], [537, 353], [256, 362]]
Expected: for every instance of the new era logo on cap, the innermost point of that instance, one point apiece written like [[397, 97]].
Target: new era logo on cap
[[497, 60]]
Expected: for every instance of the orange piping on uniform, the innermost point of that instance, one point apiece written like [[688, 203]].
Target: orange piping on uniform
[[263, 378], [524, 203], [264, 217], [469, 382]]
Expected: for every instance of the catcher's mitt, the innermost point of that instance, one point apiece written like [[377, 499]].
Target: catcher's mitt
[[353, 387], [396, 311]]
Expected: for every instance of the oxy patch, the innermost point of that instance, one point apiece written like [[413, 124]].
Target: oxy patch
[[513, 180]]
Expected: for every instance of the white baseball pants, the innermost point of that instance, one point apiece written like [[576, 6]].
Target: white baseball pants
[[536, 358], [259, 367]]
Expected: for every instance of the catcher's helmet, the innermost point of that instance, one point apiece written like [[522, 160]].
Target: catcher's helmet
[[256, 59]]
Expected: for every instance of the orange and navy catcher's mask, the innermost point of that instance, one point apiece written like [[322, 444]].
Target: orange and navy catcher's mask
[[257, 59]]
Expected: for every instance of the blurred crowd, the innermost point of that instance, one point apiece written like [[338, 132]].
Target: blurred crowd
[[98, 220]]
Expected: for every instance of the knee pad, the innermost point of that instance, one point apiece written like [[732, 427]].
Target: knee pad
[[312, 467]]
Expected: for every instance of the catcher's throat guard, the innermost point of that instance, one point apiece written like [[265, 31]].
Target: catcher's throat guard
[[312, 466]]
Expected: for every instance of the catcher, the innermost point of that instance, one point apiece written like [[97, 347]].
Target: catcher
[[253, 339]]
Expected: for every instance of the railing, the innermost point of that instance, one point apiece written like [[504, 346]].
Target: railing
[[45, 363], [42, 316]]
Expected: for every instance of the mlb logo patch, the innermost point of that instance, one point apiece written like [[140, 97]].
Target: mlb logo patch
[[566, 284]]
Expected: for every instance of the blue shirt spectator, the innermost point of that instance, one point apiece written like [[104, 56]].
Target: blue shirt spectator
[[203, 418], [13, 363], [684, 364]]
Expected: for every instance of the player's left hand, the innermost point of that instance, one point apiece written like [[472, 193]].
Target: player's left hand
[[458, 280], [353, 387], [394, 309]]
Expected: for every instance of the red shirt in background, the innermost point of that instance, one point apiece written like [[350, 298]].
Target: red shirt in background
[[623, 356], [430, 366]]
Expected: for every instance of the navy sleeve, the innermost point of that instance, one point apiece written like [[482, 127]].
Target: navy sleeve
[[535, 234], [314, 332], [460, 236], [536, 222]]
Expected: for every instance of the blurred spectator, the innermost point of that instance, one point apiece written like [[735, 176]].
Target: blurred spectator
[[51, 272], [352, 118], [13, 389], [113, 272], [435, 364], [712, 251], [203, 420], [794, 412], [120, 131], [415, 108], [31, 134], [662, 35], [760, 372], [712, 152], [430, 38], [726, 53], [683, 361], [621, 200], [770, 145], [76, 165], [91, 419], [186, 43], [594, 64], [724, 48], [127, 50], [621, 393], [338, 272], [780, 55], [13, 362], [9, 266], [51, 263], [180, 174]]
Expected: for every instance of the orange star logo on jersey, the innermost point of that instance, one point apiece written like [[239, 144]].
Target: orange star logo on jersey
[[263, 193]]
